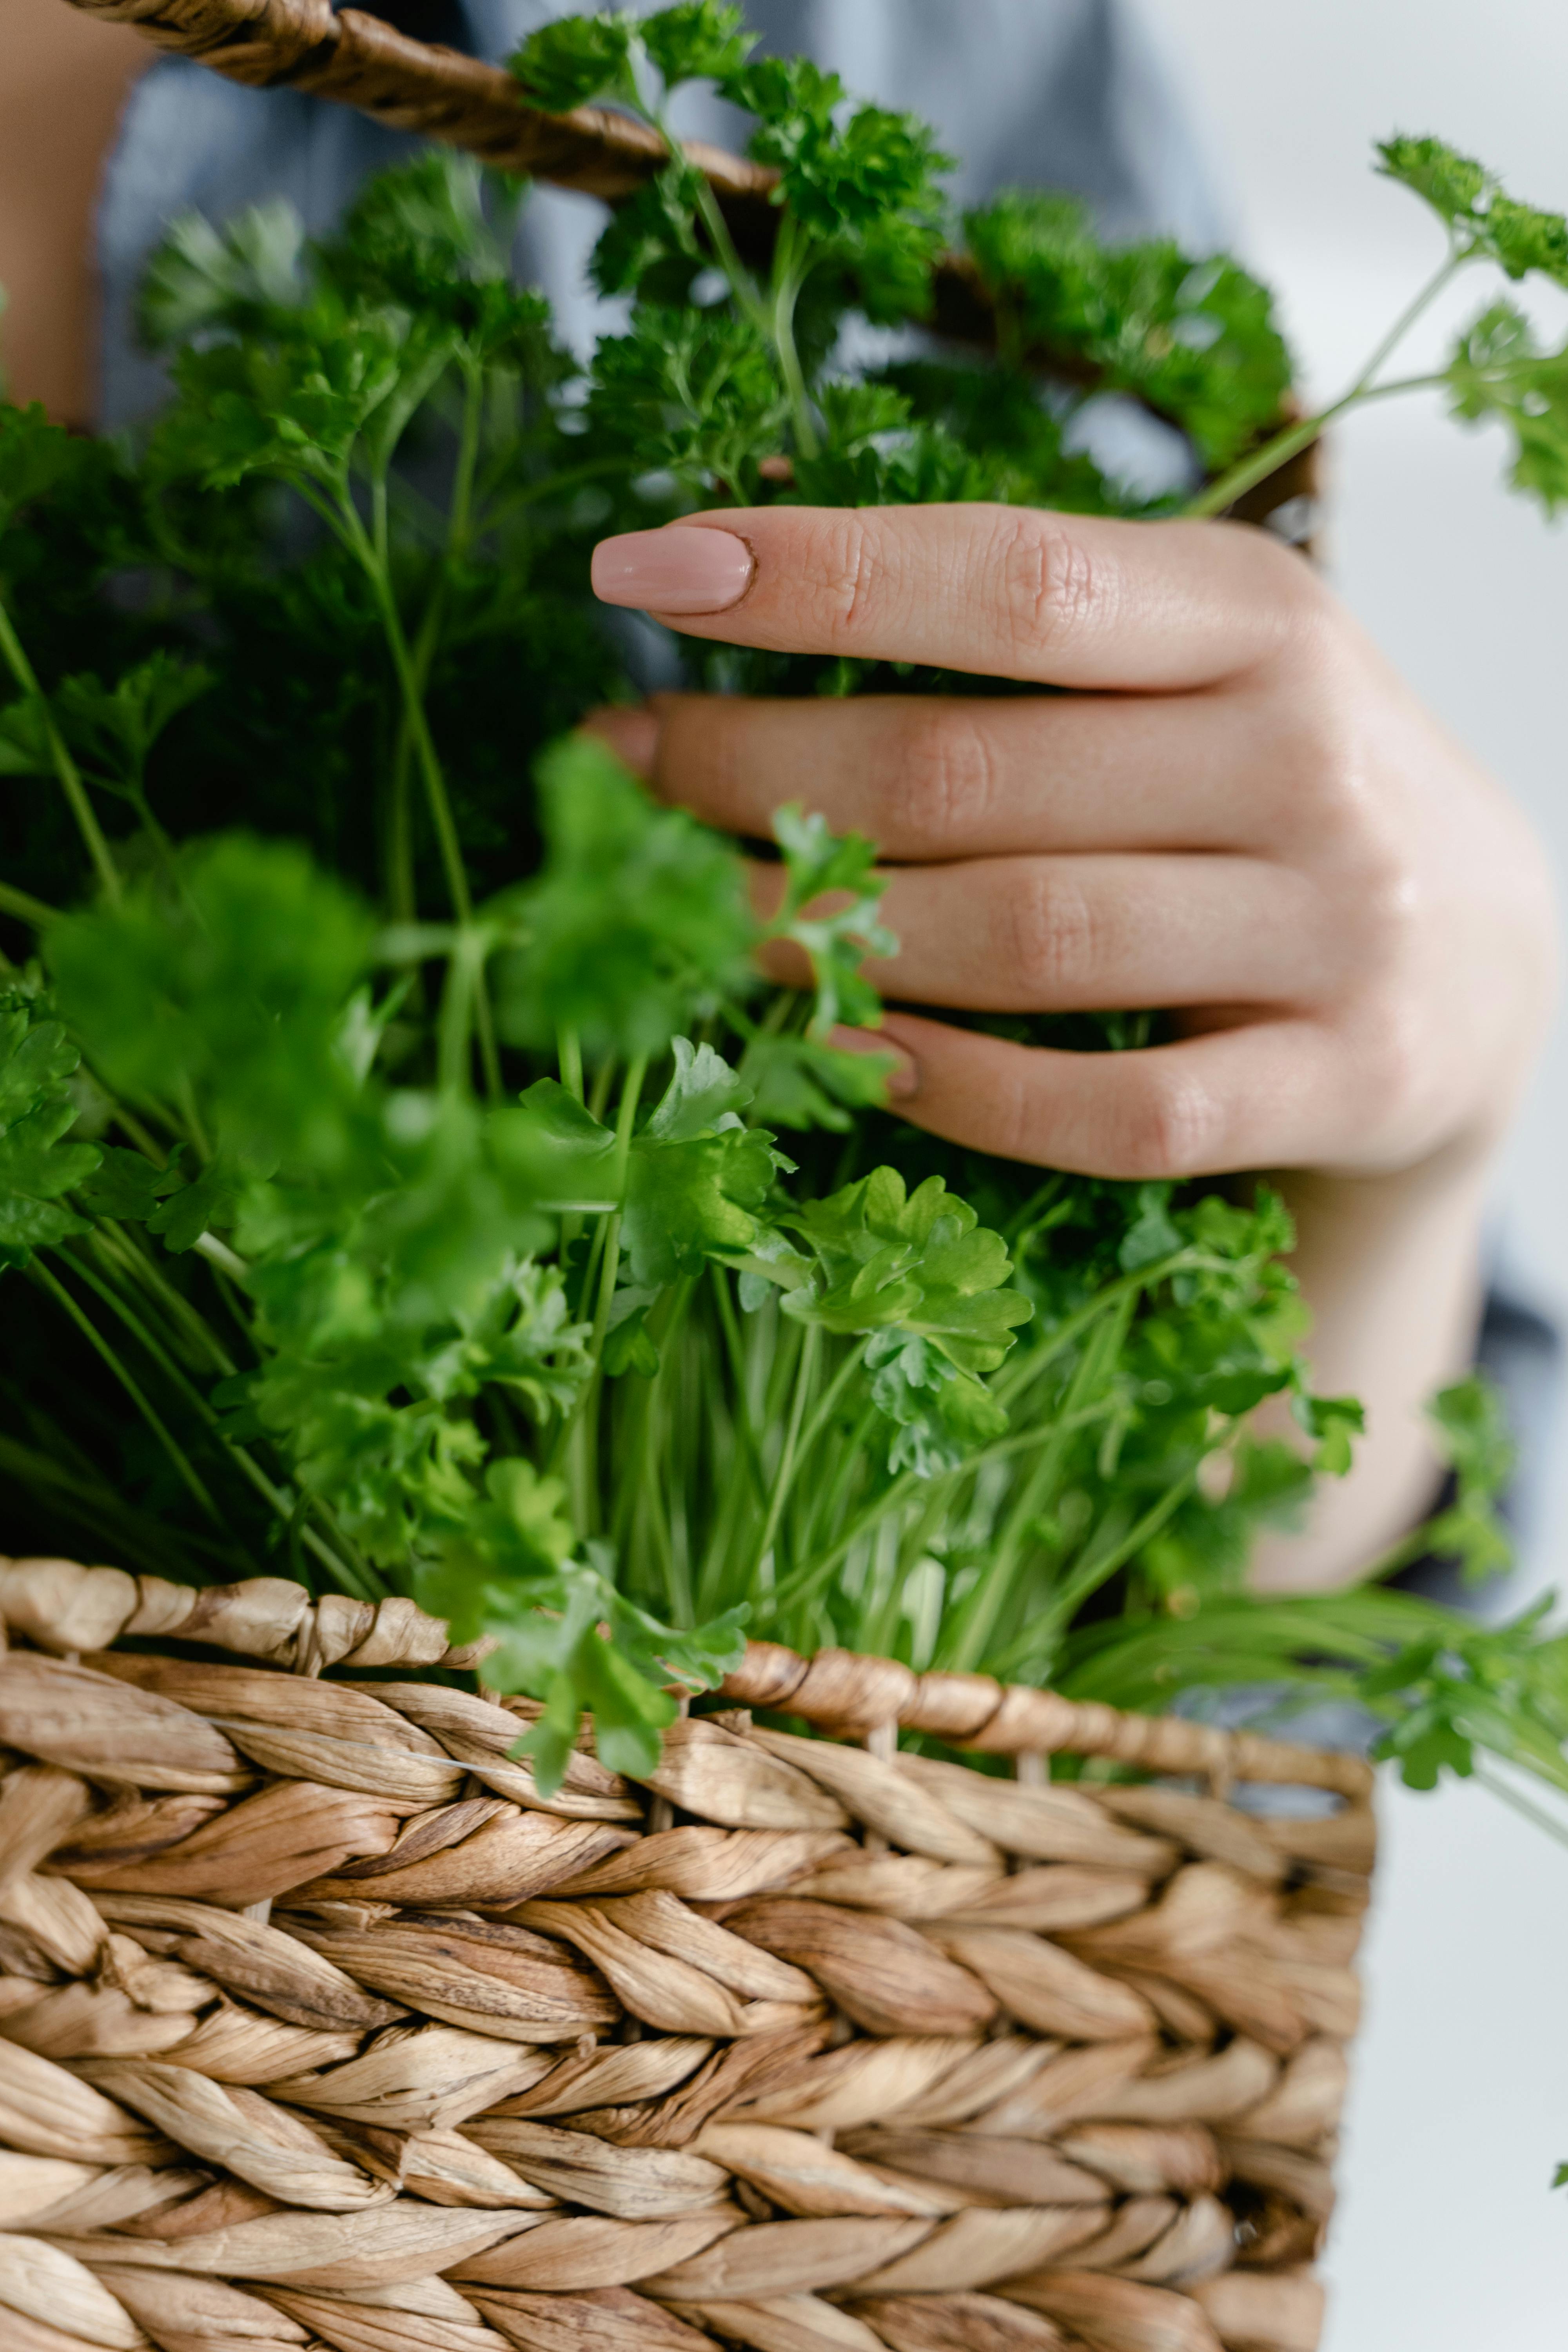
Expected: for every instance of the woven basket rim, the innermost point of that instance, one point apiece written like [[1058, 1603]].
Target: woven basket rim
[[65, 1608]]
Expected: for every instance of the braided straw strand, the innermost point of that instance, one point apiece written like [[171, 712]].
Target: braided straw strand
[[322, 2029], [358, 60]]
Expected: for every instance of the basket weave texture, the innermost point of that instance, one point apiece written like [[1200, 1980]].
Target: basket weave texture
[[320, 2027]]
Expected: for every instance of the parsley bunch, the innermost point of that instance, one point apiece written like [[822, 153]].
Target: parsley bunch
[[414, 1186]]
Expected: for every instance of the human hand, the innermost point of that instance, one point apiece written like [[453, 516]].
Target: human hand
[[1239, 814]]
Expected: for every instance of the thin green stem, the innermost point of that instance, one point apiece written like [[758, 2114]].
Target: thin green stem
[[783, 1476], [66, 769], [461, 523], [24, 908], [828, 1400], [742, 285], [1537, 1815], [184, 1470], [273, 1496], [121, 1254], [578, 1439], [1087, 1579], [440, 807], [1245, 475], [740, 1406], [1414, 310], [790, 270], [976, 1622]]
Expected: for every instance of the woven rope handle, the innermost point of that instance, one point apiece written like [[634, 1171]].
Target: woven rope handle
[[410, 85], [66, 1608]]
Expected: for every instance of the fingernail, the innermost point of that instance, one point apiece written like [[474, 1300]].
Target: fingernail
[[903, 1075], [631, 735], [676, 571]]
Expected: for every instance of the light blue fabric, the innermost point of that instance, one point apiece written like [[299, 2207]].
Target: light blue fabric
[[1059, 93]]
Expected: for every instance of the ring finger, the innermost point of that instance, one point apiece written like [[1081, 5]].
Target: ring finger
[[1084, 934]]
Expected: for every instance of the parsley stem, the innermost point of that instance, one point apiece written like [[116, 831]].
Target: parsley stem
[[461, 523], [24, 908], [1407, 318], [1092, 1572], [437, 799], [276, 1501], [188, 1476], [783, 1476], [119, 1252], [65, 766], [1245, 475], [789, 277], [580, 1434], [1537, 1815]]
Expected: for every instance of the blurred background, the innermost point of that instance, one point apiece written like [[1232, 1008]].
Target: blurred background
[[1447, 2236]]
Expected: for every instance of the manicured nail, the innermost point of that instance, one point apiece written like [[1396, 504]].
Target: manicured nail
[[631, 735], [903, 1075], [676, 571]]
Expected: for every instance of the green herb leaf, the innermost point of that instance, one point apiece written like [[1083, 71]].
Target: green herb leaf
[[37, 1167], [638, 923], [573, 60], [697, 1180], [1499, 371], [697, 40]]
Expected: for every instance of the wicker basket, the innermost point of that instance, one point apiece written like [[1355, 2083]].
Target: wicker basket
[[320, 2027]]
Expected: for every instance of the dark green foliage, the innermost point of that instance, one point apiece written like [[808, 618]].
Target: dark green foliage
[[1195, 338], [1499, 371], [1483, 220], [37, 1166], [698, 40], [565, 63], [639, 925]]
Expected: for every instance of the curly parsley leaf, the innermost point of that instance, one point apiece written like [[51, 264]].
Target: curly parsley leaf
[[235, 280], [638, 923], [796, 1082], [820, 865], [37, 457], [698, 1177], [695, 393], [1483, 221], [919, 1275], [1196, 340], [576, 59], [37, 1166], [1499, 372], [570, 1637], [697, 40]]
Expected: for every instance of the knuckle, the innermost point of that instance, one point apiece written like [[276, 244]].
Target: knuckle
[[1166, 1127], [1048, 585], [1051, 941], [837, 577], [940, 780]]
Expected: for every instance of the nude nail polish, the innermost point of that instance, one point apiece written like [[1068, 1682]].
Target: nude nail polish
[[903, 1075], [678, 571]]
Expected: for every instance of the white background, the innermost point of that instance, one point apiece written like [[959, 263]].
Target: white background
[[1447, 2240]]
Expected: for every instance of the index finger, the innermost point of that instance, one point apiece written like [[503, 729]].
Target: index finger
[[1001, 591]]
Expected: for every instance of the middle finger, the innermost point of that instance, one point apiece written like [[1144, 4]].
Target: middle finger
[[935, 777]]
